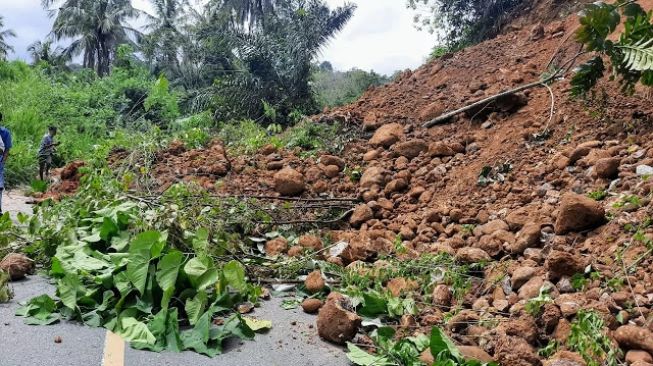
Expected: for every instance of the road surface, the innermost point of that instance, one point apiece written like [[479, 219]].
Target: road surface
[[292, 341]]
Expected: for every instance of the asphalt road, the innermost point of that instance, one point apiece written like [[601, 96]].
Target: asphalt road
[[292, 341]]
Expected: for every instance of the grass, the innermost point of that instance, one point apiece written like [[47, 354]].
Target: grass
[[587, 337]]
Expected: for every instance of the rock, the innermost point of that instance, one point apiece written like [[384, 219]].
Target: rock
[[336, 322], [531, 288], [560, 264], [276, 246], [289, 182], [527, 237], [295, 251], [331, 171], [398, 286], [644, 170], [442, 297], [440, 149], [472, 255], [373, 176], [387, 135], [607, 168], [310, 242], [410, 149], [565, 358], [372, 121], [314, 282], [361, 215], [537, 32], [332, 160], [475, 353], [634, 337], [432, 111], [311, 306], [17, 266], [577, 213], [426, 357], [633, 356], [521, 275], [515, 351], [395, 185], [493, 226]]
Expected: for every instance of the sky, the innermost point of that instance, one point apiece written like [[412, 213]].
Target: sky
[[380, 37]]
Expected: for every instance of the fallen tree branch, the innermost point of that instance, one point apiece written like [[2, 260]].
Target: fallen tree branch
[[484, 102]]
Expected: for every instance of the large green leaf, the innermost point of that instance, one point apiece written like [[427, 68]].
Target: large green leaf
[[373, 304], [195, 307], [140, 252], [361, 358], [233, 274], [441, 345], [132, 330], [168, 269], [39, 311], [67, 289], [201, 272]]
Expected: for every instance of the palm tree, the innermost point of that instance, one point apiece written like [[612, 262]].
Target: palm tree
[[250, 13], [44, 51], [4, 34], [97, 28], [161, 45]]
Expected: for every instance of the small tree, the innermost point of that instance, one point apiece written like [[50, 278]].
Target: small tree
[[4, 34], [631, 55]]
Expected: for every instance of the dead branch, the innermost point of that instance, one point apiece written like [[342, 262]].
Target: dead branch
[[483, 102]]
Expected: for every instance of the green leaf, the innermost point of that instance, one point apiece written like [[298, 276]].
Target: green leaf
[[132, 330], [140, 253], [258, 325], [373, 305], [195, 307], [168, 269], [67, 290], [39, 311], [108, 230], [361, 358], [442, 344], [197, 338], [586, 76], [234, 275]]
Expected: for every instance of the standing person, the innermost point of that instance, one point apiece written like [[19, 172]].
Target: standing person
[[46, 151], [5, 140]]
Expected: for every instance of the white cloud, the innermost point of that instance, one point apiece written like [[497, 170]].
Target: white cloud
[[379, 37]]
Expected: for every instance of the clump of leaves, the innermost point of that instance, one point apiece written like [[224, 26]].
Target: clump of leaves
[[534, 306], [631, 56], [598, 195], [588, 338], [5, 291], [406, 351]]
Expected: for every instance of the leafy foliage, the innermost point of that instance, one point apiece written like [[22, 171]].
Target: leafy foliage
[[116, 270], [335, 88], [5, 48], [588, 339], [464, 21], [631, 56]]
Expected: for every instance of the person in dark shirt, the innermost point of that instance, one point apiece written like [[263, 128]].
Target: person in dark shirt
[[46, 151], [5, 136]]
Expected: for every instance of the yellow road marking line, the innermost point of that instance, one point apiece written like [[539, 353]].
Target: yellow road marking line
[[114, 350]]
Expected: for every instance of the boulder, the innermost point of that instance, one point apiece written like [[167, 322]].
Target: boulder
[[332, 160], [17, 266], [442, 297], [577, 213], [521, 275], [314, 282], [311, 306], [361, 215], [527, 237], [560, 264], [472, 255], [607, 168], [387, 135], [289, 182], [310, 242], [475, 353], [276, 246], [634, 337], [440, 149], [336, 322], [633, 356], [373, 176], [411, 148]]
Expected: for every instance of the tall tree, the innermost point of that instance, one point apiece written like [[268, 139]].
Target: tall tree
[[161, 46], [97, 28], [275, 58], [47, 52], [5, 48]]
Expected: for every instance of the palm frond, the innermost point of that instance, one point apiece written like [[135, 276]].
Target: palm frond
[[639, 56]]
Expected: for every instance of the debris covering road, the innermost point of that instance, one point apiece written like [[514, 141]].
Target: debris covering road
[[293, 339]]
